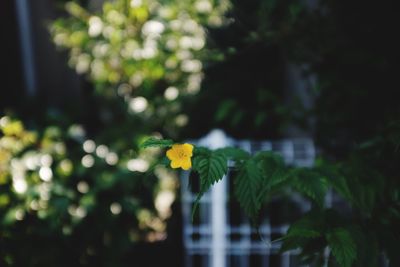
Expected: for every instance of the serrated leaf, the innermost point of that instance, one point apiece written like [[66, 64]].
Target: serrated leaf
[[310, 184], [247, 189], [306, 233], [154, 142], [342, 246], [306, 227], [201, 151], [276, 180], [273, 171], [335, 179], [367, 246], [211, 167], [269, 157]]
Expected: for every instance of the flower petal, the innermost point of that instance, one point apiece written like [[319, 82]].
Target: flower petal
[[176, 147], [188, 148], [176, 164], [186, 164], [171, 154]]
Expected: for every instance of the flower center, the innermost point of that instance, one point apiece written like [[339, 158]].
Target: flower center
[[182, 154]]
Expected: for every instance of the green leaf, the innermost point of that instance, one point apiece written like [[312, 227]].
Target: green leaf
[[301, 232], [247, 189], [293, 243], [234, 153], [310, 184], [335, 179], [225, 108], [269, 159], [277, 179], [367, 246], [201, 151], [154, 142], [275, 175], [303, 228], [211, 167], [164, 161], [342, 246]]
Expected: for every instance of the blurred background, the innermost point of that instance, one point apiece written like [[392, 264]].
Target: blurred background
[[83, 83]]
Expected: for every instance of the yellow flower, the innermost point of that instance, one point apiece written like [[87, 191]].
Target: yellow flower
[[180, 156]]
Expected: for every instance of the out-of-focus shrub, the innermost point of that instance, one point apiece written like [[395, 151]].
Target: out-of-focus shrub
[[84, 195], [56, 184], [150, 53]]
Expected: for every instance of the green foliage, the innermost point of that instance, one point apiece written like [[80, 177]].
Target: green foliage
[[244, 92], [56, 183], [143, 59], [211, 167], [359, 141], [318, 229], [260, 176], [153, 142], [366, 245], [304, 233], [275, 174], [234, 153], [98, 196], [342, 246], [306, 227], [360, 138], [310, 183], [335, 178], [248, 186], [149, 54]]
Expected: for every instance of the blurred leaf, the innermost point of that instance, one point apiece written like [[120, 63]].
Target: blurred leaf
[[224, 109], [275, 175], [309, 227], [234, 153], [153, 142], [335, 178], [342, 246], [305, 227], [311, 184], [4, 200]]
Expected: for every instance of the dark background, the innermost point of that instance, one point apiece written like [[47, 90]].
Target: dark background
[[351, 46]]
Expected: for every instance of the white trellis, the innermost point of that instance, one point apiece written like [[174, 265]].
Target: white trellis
[[212, 240]]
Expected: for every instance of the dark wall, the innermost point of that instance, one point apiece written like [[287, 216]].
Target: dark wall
[[56, 84], [11, 78]]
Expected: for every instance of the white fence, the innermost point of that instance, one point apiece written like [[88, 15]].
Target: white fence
[[221, 235]]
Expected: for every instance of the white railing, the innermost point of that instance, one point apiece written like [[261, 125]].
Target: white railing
[[221, 235]]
